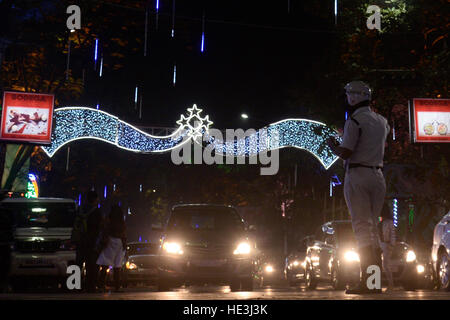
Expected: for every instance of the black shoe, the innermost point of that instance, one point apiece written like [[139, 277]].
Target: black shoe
[[368, 256], [362, 289]]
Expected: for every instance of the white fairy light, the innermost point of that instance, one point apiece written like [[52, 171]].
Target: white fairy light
[[75, 123]]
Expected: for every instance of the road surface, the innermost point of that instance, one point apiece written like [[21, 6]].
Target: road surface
[[223, 293]]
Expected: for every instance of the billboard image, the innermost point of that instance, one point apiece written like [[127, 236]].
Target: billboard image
[[431, 120], [27, 117]]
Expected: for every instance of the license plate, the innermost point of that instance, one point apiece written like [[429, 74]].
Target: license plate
[[209, 263], [37, 262]]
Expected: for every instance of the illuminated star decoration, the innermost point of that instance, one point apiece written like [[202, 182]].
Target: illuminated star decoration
[[194, 123]]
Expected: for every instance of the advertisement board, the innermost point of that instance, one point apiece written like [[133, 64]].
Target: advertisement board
[[430, 120], [27, 117]]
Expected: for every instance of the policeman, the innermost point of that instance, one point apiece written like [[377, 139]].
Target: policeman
[[362, 149]]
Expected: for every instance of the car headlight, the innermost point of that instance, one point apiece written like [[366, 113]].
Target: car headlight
[[410, 256], [242, 248], [172, 247], [351, 256], [268, 269], [130, 265], [420, 269], [295, 263]]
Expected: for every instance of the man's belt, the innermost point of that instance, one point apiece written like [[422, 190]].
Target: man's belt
[[356, 165]]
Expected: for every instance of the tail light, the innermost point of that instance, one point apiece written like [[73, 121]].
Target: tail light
[[67, 245]]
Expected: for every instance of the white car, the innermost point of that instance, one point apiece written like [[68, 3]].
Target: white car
[[42, 248], [440, 252]]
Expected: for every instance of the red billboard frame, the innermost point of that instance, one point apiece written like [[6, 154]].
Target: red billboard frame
[[27, 111], [437, 129]]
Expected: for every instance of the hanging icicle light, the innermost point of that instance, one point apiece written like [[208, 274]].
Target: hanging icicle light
[[140, 188], [393, 130], [173, 18], [157, 14], [174, 81], [335, 11], [105, 192], [135, 97], [331, 188], [79, 199], [98, 106], [96, 51], [346, 115], [202, 47], [101, 66]]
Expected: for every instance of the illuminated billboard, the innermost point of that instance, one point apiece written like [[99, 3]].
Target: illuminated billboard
[[27, 117], [430, 120]]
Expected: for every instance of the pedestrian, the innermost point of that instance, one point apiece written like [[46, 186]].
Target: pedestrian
[[362, 149], [113, 245], [85, 234], [387, 243]]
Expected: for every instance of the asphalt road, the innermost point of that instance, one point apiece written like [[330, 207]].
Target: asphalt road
[[223, 293]]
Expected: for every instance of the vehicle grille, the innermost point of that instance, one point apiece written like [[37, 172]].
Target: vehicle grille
[[209, 251], [37, 246], [208, 270], [146, 265]]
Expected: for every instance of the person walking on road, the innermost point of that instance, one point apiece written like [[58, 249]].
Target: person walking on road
[[114, 245], [387, 243], [362, 149], [85, 234]]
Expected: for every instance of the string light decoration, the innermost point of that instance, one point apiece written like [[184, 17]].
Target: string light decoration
[[75, 123], [395, 212], [304, 134]]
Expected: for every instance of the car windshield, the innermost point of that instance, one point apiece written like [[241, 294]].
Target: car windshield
[[344, 234], [142, 248], [41, 214], [205, 219]]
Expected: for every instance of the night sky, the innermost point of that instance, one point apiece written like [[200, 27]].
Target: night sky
[[252, 64]]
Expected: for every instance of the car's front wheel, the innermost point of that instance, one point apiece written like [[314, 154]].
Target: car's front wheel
[[336, 279], [235, 285], [247, 284], [163, 285], [443, 271], [409, 285]]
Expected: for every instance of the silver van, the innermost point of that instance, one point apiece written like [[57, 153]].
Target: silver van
[[42, 248]]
